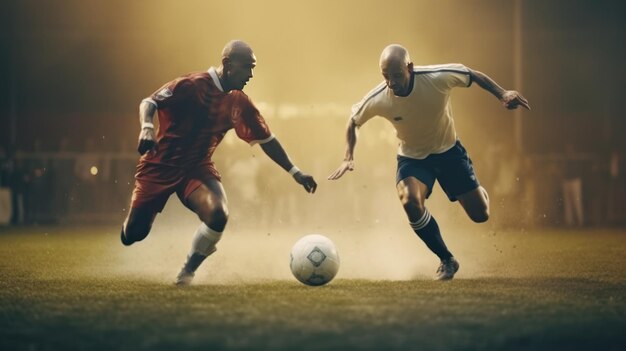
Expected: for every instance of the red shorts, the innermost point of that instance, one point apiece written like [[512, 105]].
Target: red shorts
[[154, 183]]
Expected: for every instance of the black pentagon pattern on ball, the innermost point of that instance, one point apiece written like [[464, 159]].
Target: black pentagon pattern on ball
[[316, 256]]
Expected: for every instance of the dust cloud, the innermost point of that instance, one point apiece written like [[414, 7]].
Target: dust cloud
[[384, 248]]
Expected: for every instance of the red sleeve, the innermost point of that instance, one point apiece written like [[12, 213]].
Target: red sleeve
[[248, 123], [176, 92]]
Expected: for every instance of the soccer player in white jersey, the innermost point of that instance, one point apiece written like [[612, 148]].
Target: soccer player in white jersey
[[416, 100]]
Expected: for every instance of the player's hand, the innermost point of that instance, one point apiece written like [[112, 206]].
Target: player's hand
[[306, 181], [146, 141], [511, 99], [343, 168]]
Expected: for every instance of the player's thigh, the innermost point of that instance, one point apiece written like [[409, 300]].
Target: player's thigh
[[476, 204], [148, 199], [456, 173], [412, 194], [140, 219], [414, 180], [412, 188], [206, 198]]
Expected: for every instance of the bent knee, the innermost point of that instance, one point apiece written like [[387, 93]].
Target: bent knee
[[220, 215], [480, 216], [411, 203], [215, 218], [137, 231]]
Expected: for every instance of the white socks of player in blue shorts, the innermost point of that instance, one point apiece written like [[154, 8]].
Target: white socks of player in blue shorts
[[202, 246]]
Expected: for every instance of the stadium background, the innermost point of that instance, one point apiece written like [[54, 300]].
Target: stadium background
[[74, 73]]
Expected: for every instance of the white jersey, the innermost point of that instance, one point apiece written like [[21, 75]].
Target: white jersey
[[423, 119]]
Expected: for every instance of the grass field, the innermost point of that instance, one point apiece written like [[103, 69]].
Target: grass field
[[77, 288]]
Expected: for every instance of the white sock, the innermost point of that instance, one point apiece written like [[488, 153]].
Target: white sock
[[204, 240]]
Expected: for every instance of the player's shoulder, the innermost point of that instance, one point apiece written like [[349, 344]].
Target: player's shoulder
[[194, 82], [370, 100], [375, 92], [238, 97], [446, 67], [181, 81], [194, 78]]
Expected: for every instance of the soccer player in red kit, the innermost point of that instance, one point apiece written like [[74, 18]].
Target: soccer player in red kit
[[195, 111]]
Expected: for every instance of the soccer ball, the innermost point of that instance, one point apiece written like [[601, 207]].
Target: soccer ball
[[314, 260]]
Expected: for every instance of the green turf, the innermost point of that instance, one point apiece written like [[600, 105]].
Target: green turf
[[572, 299]]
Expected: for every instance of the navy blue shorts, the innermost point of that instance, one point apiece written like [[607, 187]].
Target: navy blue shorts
[[452, 169]]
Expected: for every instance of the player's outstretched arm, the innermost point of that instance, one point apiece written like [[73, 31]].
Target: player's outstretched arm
[[348, 162], [275, 151], [510, 99], [146, 136]]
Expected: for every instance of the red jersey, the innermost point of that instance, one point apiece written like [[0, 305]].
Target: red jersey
[[194, 115]]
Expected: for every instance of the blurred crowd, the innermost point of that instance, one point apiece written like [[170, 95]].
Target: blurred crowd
[[569, 188], [54, 186], [91, 183]]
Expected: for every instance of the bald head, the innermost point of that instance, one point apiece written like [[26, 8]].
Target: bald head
[[237, 49], [397, 68], [394, 54], [238, 62]]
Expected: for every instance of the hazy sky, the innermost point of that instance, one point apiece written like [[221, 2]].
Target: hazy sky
[[85, 63]]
